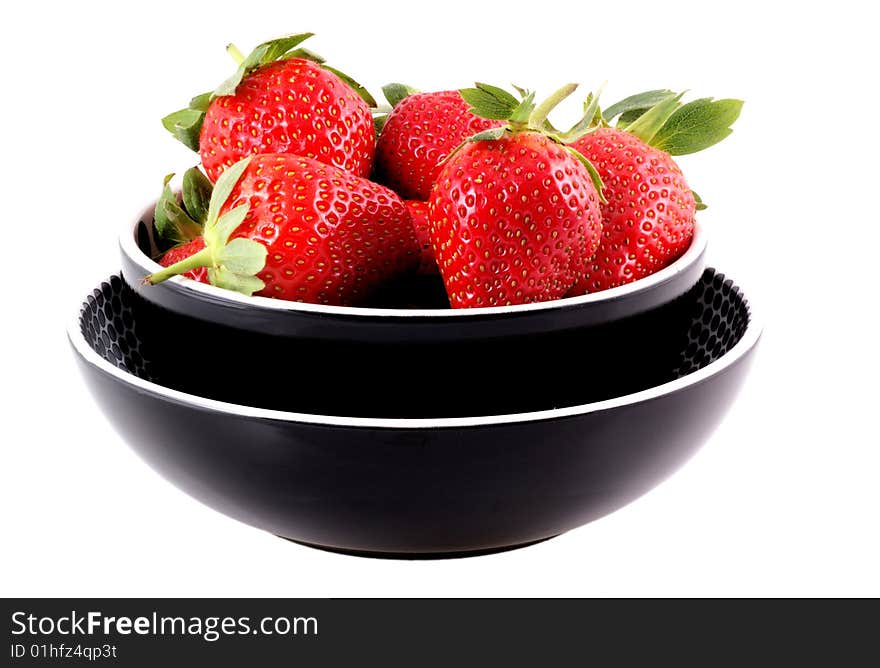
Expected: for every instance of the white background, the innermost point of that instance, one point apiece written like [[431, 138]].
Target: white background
[[783, 500]]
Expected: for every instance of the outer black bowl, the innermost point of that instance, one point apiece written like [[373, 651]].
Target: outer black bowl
[[419, 487], [432, 322], [432, 362]]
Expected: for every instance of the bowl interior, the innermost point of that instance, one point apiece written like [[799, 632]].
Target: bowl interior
[[470, 378]]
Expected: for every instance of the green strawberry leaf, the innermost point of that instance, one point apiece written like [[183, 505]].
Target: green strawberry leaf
[[201, 102], [594, 174], [305, 54], [223, 278], [630, 117], [264, 53], [490, 101], [701, 206], [161, 220], [185, 125], [648, 124], [217, 235], [171, 221], [524, 109], [636, 105], [243, 256], [354, 85], [279, 47], [223, 188], [591, 107], [489, 135], [174, 224], [697, 125], [395, 92], [196, 194], [229, 85], [587, 123], [498, 93], [379, 123]]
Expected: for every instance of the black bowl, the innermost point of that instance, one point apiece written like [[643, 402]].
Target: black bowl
[[420, 487], [432, 362], [415, 311]]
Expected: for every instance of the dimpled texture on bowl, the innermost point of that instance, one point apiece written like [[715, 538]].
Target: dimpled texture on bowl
[[716, 311], [421, 488]]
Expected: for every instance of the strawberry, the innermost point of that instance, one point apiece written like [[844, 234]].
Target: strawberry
[[281, 99], [418, 135], [513, 209], [418, 213], [183, 251], [291, 227], [648, 220]]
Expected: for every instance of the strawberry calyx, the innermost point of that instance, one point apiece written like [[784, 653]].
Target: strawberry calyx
[[630, 108], [648, 124], [660, 119], [186, 124], [182, 221], [524, 115], [232, 264]]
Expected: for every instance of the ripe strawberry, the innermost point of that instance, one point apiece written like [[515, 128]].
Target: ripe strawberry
[[513, 209], [418, 135], [280, 101], [648, 220], [183, 251], [418, 212], [290, 227]]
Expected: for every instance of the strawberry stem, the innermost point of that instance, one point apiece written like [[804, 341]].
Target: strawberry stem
[[231, 264], [204, 258], [237, 55], [539, 115]]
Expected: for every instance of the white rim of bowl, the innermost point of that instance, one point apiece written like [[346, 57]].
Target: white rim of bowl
[[743, 346], [148, 266]]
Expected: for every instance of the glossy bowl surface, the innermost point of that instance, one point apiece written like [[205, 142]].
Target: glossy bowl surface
[[415, 311], [426, 487]]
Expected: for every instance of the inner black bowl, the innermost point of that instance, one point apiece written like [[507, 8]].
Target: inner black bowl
[[415, 310], [492, 376]]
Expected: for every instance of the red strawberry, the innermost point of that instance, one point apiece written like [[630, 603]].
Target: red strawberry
[[291, 227], [280, 103], [418, 135], [183, 251], [418, 212], [648, 220], [513, 209]]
